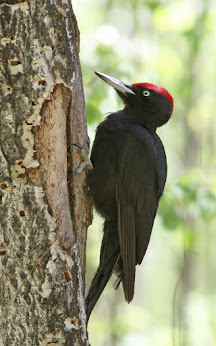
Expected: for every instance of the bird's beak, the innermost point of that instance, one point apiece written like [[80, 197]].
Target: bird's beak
[[115, 83]]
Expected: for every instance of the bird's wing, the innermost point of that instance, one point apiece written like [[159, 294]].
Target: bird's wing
[[137, 201], [127, 238]]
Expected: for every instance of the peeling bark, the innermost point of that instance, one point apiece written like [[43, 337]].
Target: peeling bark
[[44, 210]]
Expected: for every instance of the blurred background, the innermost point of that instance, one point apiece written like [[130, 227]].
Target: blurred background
[[172, 44]]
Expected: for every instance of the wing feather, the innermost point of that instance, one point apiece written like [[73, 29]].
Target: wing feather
[[127, 241], [137, 201]]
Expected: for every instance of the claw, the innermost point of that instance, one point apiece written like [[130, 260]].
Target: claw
[[85, 163]]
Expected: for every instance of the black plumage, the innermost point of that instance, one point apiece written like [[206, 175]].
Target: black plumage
[[127, 181]]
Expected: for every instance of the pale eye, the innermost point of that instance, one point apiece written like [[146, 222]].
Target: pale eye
[[146, 93]]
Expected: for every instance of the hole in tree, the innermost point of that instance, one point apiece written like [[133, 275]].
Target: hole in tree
[[42, 82], [15, 62]]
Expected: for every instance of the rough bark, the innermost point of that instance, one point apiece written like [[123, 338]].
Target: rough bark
[[44, 210]]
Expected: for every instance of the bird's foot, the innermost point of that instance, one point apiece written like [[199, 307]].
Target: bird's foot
[[86, 163]]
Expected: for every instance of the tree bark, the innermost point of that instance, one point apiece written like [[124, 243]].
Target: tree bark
[[44, 210]]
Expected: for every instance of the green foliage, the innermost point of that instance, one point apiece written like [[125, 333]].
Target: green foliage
[[191, 193], [97, 94], [168, 208]]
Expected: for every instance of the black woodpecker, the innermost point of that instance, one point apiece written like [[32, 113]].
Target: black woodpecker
[[127, 181]]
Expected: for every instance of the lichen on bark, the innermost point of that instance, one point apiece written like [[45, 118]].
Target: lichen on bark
[[44, 210]]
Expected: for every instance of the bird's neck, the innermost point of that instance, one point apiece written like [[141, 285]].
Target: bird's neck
[[139, 119]]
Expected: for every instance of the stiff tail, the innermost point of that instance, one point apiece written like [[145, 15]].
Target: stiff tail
[[108, 257]]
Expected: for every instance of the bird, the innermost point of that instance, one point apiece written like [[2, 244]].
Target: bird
[[127, 181]]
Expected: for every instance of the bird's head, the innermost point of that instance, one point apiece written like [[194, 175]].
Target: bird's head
[[146, 103]]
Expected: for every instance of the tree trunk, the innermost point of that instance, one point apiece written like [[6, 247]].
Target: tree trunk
[[44, 210]]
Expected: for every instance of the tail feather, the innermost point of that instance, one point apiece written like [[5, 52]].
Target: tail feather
[[108, 257], [118, 271]]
